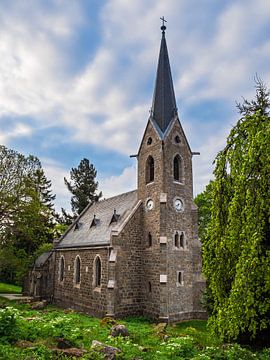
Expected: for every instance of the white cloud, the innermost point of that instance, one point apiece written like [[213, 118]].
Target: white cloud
[[56, 173], [214, 52], [113, 185], [20, 130]]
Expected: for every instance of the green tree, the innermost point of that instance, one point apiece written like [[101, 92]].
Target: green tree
[[27, 217], [236, 248], [83, 186], [204, 203]]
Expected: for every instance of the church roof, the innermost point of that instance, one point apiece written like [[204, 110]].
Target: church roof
[[164, 104], [93, 227], [40, 261]]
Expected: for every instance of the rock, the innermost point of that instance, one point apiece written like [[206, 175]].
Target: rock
[[160, 328], [108, 321], [108, 351], [70, 352], [118, 330], [63, 343], [39, 305], [24, 344]]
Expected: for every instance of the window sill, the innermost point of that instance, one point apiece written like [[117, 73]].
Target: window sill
[[178, 182], [97, 289], [77, 285]]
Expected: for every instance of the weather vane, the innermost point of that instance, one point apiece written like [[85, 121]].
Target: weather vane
[[163, 27]]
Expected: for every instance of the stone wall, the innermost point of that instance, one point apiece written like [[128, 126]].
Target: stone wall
[[84, 296], [127, 270]]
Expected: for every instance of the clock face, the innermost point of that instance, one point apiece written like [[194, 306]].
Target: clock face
[[149, 204], [178, 204]]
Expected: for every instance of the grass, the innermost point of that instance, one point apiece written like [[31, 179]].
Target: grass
[[20, 325], [9, 289]]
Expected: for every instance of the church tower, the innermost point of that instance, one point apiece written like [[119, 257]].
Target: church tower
[[171, 261]]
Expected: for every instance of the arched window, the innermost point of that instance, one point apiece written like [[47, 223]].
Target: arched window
[[150, 170], [97, 272], [180, 277], [176, 239], [149, 239], [77, 270], [177, 168], [182, 242], [62, 268]]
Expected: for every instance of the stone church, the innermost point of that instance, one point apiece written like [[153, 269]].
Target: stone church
[[137, 253]]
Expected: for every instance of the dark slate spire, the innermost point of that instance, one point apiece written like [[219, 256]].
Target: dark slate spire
[[164, 104]]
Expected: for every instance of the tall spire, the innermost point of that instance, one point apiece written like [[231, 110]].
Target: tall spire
[[164, 104]]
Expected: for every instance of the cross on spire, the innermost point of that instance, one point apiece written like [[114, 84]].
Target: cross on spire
[[163, 27]]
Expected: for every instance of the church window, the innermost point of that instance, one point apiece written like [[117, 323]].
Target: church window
[[182, 243], [62, 268], [149, 239], [150, 169], [180, 278], [97, 272], [77, 270], [149, 286], [177, 168], [177, 139], [149, 141], [176, 239]]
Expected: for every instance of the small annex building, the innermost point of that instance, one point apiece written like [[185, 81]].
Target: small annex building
[[137, 253]]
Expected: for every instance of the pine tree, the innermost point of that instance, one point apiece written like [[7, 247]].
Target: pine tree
[[82, 186], [236, 249]]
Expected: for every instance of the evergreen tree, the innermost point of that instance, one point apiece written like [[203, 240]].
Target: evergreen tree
[[27, 217], [236, 249], [82, 186]]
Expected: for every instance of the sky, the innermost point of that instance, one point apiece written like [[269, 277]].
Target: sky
[[77, 79]]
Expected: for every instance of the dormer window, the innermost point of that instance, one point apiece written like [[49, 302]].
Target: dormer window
[[77, 226], [94, 222], [115, 217]]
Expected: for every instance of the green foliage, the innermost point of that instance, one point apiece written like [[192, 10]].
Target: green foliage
[[39, 329], [27, 217], [82, 186], [236, 248], [9, 329], [204, 203]]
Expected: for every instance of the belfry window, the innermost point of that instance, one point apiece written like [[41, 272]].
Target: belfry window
[[177, 169], [149, 239], [62, 268], [77, 270], [150, 170], [97, 272], [182, 243], [180, 279], [176, 239]]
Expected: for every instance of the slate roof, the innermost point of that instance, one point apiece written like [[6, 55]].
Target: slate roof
[[81, 233], [42, 258], [164, 104]]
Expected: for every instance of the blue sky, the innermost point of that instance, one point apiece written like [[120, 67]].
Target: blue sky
[[77, 78]]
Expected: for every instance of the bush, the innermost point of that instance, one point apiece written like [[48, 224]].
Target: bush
[[9, 328]]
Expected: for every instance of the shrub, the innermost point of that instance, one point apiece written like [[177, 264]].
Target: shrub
[[9, 328]]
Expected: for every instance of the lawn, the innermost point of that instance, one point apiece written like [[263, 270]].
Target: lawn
[[33, 334], [10, 289]]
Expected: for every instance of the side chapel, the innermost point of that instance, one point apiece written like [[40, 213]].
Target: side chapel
[[137, 253]]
